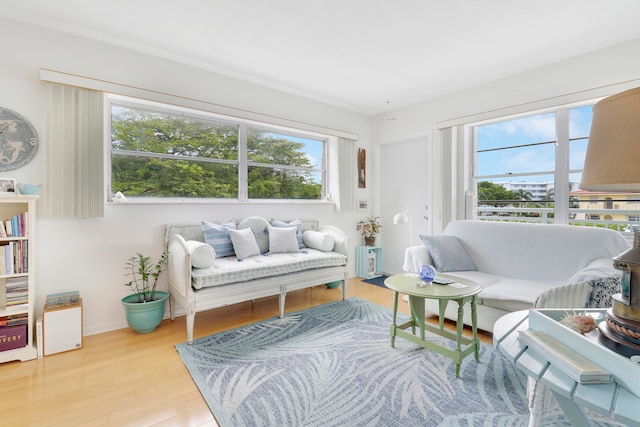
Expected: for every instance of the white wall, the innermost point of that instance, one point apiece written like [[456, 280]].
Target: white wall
[[553, 84], [89, 255]]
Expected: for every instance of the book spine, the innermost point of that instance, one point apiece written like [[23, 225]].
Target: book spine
[[7, 259]]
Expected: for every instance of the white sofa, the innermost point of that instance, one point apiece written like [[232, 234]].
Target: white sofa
[[517, 262], [200, 280]]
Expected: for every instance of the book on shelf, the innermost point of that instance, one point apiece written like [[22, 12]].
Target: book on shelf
[[15, 257], [62, 299], [573, 364], [16, 226]]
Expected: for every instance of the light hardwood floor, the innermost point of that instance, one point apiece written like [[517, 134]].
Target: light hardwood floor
[[121, 378]]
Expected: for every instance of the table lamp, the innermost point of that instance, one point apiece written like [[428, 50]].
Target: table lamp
[[612, 164]]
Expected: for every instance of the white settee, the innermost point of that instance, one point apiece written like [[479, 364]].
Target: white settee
[[201, 279], [515, 262]]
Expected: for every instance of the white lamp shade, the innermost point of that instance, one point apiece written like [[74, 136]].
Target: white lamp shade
[[612, 162], [401, 218]]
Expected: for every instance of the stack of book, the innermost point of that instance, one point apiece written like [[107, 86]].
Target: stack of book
[[573, 364], [17, 291], [16, 226], [14, 320]]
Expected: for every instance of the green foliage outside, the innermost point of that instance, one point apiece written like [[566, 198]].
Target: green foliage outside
[[488, 191], [187, 157]]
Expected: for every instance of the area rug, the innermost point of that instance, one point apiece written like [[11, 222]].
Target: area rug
[[378, 281], [333, 365]]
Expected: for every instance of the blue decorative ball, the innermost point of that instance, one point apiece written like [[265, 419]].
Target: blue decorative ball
[[427, 273]]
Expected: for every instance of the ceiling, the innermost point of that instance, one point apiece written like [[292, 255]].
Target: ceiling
[[355, 54]]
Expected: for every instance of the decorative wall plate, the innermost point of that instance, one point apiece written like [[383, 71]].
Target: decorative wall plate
[[18, 140]]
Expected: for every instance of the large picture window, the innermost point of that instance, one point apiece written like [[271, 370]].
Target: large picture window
[[159, 151], [529, 169]]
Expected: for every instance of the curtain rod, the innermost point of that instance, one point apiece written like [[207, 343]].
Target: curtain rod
[[541, 104], [69, 79]]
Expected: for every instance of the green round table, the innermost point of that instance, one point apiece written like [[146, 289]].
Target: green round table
[[460, 291]]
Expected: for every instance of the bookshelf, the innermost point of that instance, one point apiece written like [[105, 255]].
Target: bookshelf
[[17, 277]]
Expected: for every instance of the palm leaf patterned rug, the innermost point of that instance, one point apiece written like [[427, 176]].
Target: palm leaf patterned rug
[[333, 365]]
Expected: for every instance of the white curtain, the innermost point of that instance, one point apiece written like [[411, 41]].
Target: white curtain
[[342, 160], [74, 153], [448, 178]]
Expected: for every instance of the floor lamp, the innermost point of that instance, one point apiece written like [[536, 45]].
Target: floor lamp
[[611, 165], [403, 218]]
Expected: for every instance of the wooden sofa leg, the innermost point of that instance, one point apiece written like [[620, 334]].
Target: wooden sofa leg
[[172, 307], [283, 295], [191, 317]]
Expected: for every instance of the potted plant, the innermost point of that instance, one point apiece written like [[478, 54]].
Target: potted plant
[[145, 307], [369, 228]]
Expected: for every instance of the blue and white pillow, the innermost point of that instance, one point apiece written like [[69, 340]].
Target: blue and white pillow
[[217, 235], [295, 223]]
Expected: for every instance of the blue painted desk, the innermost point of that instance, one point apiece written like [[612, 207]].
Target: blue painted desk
[[614, 400]]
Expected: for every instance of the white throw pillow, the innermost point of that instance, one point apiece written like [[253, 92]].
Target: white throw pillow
[[447, 253], [259, 226], [317, 240], [202, 254], [283, 240], [295, 223], [244, 243]]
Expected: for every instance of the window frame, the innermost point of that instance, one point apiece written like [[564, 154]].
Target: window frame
[[242, 163], [562, 170]]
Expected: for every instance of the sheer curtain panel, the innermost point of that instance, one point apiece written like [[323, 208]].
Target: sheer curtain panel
[[74, 153], [341, 182]]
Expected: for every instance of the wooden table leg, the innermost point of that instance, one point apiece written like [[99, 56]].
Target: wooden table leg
[[442, 306], [417, 313], [394, 325], [474, 328], [459, 326]]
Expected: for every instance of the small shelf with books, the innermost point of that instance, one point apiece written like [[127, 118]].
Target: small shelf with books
[[17, 278]]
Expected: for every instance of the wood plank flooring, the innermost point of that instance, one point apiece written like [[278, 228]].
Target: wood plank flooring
[[121, 378]]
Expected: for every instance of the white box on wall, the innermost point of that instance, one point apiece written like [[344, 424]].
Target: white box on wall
[[62, 328]]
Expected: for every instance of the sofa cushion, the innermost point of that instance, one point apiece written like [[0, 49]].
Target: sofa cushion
[[244, 243], [447, 253], [259, 226], [295, 223], [317, 240], [202, 254], [282, 240], [228, 270], [504, 304], [523, 290], [217, 235]]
